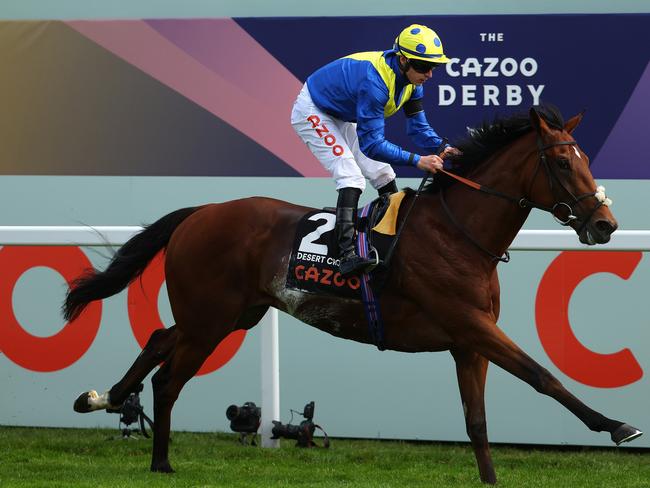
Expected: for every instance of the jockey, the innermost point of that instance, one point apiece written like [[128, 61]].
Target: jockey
[[340, 114]]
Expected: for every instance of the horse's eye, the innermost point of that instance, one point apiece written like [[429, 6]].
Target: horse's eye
[[563, 163]]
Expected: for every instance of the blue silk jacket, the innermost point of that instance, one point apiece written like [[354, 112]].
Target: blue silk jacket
[[366, 88]]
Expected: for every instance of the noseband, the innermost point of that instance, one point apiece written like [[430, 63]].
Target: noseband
[[552, 177], [525, 202]]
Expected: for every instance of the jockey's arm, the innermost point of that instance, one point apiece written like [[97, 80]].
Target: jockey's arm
[[370, 127], [417, 125]]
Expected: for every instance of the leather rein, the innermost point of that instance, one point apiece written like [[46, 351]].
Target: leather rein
[[525, 202]]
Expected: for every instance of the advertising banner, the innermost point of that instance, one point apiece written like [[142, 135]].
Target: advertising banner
[[213, 96]]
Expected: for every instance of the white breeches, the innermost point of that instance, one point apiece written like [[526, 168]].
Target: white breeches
[[336, 145]]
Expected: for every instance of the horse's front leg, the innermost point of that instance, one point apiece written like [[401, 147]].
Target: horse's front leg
[[485, 338], [471, 369]]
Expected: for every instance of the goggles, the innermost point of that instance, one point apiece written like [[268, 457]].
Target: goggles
[[422, 66]]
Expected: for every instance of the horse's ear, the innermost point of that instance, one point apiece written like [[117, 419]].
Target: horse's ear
[[538, 122], [573, 122]]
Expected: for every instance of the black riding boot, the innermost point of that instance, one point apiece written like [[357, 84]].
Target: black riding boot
[[388, 188], [346, 218]]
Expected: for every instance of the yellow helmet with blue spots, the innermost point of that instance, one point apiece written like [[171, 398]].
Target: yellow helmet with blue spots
[[419, 42]]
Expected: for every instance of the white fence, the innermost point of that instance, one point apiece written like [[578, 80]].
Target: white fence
[[526, 240]]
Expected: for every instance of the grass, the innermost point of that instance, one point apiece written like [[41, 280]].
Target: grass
[[38, 457]]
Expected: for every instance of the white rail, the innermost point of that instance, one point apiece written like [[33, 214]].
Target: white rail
[[75, 235], [526, 240], [566, 240]]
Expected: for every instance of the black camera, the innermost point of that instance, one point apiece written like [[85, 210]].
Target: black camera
[[131, 411], [303, 433], [244, 419]]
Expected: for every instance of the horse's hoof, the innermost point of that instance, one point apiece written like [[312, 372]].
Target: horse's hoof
[[163, 467], [625, 433], [82, 403]]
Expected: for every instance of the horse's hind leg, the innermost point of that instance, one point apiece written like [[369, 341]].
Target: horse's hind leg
[[489, 341], [471, 369], [158, 347], [186, 358]]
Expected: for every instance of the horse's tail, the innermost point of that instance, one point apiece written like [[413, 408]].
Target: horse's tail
[[127, 264]]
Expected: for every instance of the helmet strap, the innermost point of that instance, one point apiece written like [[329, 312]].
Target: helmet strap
[[398, 50], [403, 67]]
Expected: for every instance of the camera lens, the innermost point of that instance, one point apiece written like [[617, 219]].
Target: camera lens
[[232, 412]]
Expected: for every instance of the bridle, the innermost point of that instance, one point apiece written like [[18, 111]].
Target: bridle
[[525, 202]]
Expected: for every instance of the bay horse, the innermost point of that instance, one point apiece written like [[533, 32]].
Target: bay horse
[[226, 264]]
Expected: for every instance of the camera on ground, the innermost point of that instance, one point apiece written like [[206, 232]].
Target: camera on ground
[[245, 419], [303, 433]]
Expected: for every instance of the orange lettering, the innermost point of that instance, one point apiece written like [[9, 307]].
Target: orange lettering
[[330, 140], [338, 280], [327, 273], [323, 130], [552, 319], [354, 282], [311, 274]]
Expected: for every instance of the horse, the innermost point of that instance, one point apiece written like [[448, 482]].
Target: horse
[[441, 293]]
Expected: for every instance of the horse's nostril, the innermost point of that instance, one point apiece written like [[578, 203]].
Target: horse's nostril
[[605, 227]]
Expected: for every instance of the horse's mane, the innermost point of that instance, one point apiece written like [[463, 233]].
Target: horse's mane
[[481, 142]]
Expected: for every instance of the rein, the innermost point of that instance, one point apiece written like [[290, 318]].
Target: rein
[[425, 178], [523, 201]]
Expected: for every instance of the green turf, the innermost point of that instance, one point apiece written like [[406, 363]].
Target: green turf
[[35, 457]]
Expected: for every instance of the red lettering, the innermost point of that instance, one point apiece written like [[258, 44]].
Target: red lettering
[[554, 329], [69, 344], [327, 274], [337, 150], [323, 130], [314, 119], [300, 272], [311, 274], [330, 140], [354, 282], [338, 279], [144, 316]]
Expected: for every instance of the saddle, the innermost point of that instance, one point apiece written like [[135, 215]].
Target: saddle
[[313, 266], [379, 223]]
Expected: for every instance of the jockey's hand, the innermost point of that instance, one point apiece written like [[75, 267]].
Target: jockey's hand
[[430, 163], [450, 151]]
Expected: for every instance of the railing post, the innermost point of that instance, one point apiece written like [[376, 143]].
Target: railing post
[[270, 367]]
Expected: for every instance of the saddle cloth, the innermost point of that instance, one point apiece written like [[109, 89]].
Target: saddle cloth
[[314, 261]]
